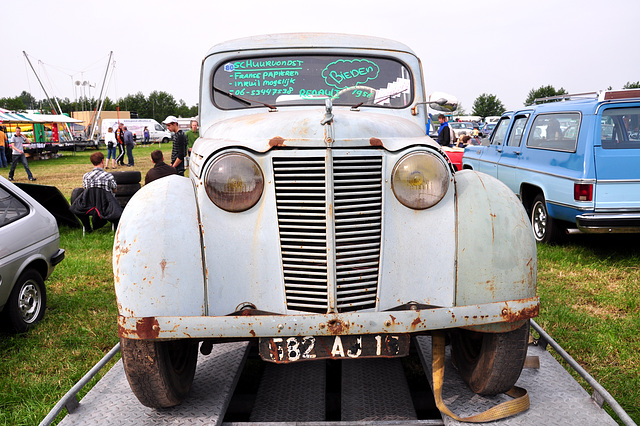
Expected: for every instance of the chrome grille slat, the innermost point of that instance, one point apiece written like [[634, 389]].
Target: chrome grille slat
[[301, 206]]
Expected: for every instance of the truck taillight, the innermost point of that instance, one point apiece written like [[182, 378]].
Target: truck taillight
[[583, 191]]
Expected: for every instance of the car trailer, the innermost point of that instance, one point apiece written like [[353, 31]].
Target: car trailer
[[373, 392]]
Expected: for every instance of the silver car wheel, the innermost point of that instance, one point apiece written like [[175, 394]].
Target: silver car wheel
[[29, 301], [539, 220]]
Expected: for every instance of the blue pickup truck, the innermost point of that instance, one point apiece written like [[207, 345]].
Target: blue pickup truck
[[573, 163]]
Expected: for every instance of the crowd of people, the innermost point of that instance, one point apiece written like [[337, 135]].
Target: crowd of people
[[448, 137]]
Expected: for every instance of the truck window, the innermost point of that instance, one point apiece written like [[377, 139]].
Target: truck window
[[497, 137], [620, 128], [558, 132], [517, 130], [310, 79]]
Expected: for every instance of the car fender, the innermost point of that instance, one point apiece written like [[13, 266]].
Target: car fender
[[496, 250], [157, 252]]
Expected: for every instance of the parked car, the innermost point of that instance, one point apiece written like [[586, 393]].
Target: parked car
[[320, 221], [462, 127], [487, 129], [573, 163], [28, 255]]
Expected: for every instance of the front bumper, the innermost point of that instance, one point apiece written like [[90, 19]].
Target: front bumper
[[352, 323], [609, 222]]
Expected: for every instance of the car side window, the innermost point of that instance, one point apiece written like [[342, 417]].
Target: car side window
[[517, 130], [497, 137], [11, 208], [620, 128], [558, 131]]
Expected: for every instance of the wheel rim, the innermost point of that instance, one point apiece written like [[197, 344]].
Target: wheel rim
[[539, 220], [29, 301]]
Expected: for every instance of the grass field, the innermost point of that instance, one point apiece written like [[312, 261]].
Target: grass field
[[589, 287]]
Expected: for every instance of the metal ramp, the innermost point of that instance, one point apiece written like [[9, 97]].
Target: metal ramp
[[556, 398], [372, 392]]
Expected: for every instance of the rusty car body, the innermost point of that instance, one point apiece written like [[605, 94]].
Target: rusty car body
[[317, 212]]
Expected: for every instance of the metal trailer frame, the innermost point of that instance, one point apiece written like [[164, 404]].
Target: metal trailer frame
[[599, 395]]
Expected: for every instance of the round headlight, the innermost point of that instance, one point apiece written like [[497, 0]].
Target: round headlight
[[234, 182], [419, 180]]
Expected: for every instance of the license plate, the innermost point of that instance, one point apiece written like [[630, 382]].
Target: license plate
[[302, 348]]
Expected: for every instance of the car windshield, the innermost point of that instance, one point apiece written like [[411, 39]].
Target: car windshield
[[310, 79]]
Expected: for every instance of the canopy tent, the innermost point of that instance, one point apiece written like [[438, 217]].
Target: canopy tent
[[25, 117]]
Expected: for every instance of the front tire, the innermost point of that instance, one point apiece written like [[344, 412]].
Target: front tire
[[160, 373], [490, 363], [27, 302]]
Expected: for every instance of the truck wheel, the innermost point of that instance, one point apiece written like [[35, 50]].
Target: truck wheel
[[27, 302], [545, 228], [490, 363], [160, 373], [165, 140]]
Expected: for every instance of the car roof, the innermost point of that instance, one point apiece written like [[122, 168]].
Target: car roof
[[306, 40]]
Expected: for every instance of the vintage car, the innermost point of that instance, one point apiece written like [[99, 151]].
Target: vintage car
[[573, 164], [29, 252], [319, 221]]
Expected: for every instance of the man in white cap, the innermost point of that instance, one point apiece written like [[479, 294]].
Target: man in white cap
[[179, 150]]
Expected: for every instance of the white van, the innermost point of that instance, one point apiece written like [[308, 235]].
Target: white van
[[157, 133]]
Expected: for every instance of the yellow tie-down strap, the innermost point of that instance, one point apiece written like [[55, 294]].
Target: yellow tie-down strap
[[518, 404]]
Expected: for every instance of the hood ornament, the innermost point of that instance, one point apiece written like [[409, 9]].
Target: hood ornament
[[327, 121]]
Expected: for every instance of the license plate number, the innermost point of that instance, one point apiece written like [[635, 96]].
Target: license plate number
[[302, 348]]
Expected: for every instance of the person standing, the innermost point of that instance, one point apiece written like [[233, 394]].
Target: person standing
[[110, 141], [192, 135], [179, 150], [146, 136], [129, 144], [120, 144], [160, 168], [444, 135], [3, 145], [17, 142]]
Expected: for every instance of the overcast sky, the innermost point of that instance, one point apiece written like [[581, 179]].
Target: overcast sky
[[467, 47]]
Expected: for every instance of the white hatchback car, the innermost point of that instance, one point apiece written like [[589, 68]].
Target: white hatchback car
[[28, 254]]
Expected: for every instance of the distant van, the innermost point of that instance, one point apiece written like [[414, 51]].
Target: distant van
[[157, 133]]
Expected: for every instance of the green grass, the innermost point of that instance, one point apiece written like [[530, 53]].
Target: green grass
[[589, 288]]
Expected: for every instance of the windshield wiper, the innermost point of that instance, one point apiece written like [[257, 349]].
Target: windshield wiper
[[244, 101]]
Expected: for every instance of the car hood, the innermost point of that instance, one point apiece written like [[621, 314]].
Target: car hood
[[303, 128]]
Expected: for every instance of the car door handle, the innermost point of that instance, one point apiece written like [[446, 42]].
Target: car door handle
[[498, 149], [517, 152]]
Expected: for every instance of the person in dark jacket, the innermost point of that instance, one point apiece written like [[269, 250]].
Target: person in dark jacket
[[120, 144], [179, 151], [444, 134], [129, 143], [160, 168]]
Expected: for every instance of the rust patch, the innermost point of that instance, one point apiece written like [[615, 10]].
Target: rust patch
[[416, 322], [276, 141], [511, 316], [375, 142], [393, 319], [337, 327], [253, 333], [163, 265], [148, 328]]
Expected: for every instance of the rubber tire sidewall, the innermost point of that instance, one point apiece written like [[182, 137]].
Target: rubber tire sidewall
[[16, 321], [126, 177], [551, 228], [490, 363], [154, 379]]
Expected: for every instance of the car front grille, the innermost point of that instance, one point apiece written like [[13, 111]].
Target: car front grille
[[330, 247]]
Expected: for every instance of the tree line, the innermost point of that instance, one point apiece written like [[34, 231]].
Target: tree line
[[158, 105], [487, 105]]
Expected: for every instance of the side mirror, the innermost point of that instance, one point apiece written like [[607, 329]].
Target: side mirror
[[438, 101]]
